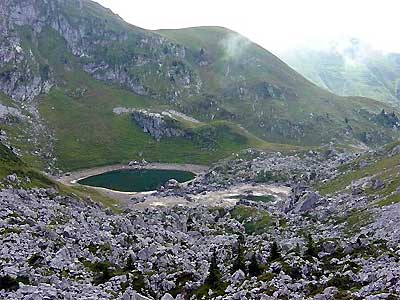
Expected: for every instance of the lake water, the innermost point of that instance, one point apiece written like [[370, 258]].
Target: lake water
[[140, 180]]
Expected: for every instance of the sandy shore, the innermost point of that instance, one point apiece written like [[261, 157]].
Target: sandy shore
[[224, 197]]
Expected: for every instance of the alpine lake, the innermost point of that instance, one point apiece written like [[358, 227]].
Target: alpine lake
[[136, 180]]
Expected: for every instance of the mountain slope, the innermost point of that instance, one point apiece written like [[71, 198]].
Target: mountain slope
[[107, 137], [374, 174], [69, 64], [265, 95], [13, 169], [353, 69]]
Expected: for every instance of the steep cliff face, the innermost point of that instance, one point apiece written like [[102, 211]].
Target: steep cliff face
[[22, 76], [110, 50]]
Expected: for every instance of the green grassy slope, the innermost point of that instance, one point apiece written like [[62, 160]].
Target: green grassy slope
[[384, 165], [224, 48], [11, 164], [90, 134], [243, 95], [311, 116], [19, 135]]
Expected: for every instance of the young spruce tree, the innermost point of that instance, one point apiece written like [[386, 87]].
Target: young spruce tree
[[254, 268], [240, 261], [311, 247], [214, 277], [275, 254]]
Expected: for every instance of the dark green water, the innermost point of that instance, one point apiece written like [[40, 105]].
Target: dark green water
[[136, 180]]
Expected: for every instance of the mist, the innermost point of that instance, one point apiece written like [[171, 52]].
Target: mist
[[275, 25], [234, 45]]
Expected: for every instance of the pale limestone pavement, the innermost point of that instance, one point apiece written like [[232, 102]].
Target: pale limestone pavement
[[265, 207]]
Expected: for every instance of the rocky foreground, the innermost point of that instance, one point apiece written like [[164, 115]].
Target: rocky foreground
[[303, 245]]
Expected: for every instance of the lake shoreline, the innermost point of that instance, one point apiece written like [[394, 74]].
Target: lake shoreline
[[137, 180], [74, 177]]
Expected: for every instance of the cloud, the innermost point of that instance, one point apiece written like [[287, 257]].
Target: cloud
[[234, 45], [276, 25]]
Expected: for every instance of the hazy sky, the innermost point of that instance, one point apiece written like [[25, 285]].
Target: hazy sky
[[275, 24]]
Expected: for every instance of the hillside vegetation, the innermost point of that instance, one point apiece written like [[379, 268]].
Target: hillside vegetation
[[10, 164], [376, 174], [18, 174], [70, 64]]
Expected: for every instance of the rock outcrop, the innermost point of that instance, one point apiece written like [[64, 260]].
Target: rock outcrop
[[157, 125], [9, 115], [307, 202]]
